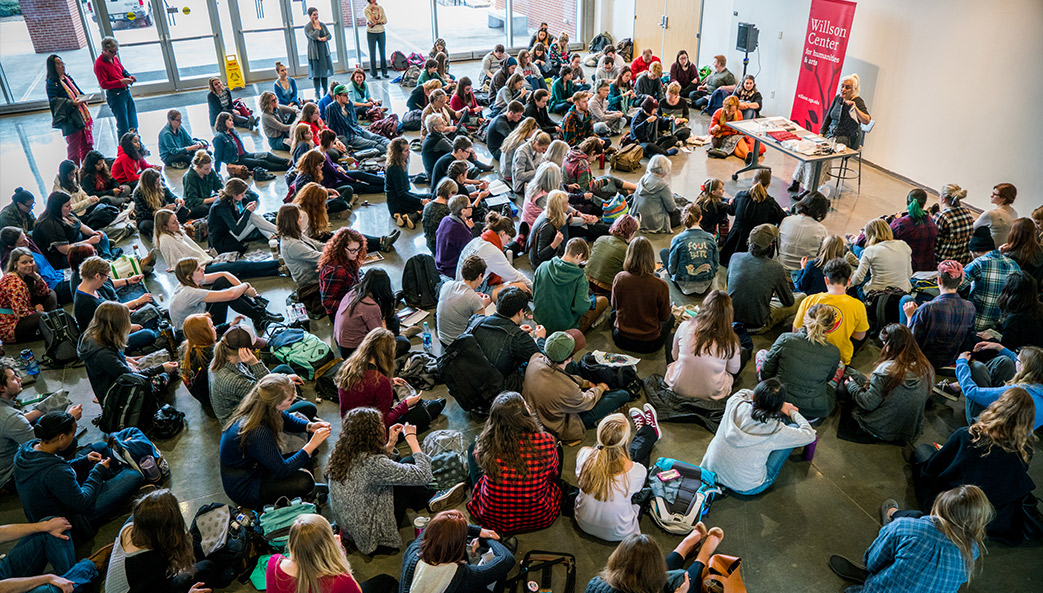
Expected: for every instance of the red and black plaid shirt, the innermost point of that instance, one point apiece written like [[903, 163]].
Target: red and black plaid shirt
[[513, 504], [334, 284], [920, 238], [955, 228]]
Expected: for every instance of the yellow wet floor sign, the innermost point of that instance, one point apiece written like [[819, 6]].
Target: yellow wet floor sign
[[234, 72]]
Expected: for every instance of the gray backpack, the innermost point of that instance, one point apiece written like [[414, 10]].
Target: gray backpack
[[448, 452], [410, 76]]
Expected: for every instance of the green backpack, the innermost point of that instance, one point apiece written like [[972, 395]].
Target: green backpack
[[306, 353], [276, 520]]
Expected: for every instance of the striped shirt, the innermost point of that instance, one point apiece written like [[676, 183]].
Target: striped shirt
[[955, 228]]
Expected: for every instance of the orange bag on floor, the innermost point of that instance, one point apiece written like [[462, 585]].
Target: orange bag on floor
[[722, 575]]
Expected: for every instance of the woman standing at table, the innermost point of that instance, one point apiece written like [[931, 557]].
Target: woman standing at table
[[68, 110], [842, 123], [375, 21], [320, 66]]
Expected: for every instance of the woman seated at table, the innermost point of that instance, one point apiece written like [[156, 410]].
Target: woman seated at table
[[727, 141], [841, 123]]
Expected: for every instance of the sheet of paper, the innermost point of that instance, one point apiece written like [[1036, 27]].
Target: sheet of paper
[[497, 200], [415, 318], [498, 187]]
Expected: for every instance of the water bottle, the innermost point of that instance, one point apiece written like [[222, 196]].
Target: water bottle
[[427, 337], [30, 362]]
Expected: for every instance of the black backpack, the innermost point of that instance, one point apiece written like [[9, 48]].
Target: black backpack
[[60, 337], [622, 377], [228, 537], [544, 563], [398, 61], [129, 402], [420, 281], [471, 379]]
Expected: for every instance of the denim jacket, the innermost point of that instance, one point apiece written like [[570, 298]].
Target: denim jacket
[[693, 256]]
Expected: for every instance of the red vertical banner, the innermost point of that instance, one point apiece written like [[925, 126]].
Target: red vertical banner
[[825, 44]]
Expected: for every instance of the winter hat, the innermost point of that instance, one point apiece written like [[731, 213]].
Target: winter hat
[[763, 235], [981, 241], [510, 62], [560, 346]]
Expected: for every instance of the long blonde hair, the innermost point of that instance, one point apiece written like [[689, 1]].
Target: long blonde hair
[[258, 408], [1007, 424], [1031, 372], [299, 130], [761, 181], [155, 197], [833, 247], [557, 208], [316, 553], [597, 477], [878, 231], [110, 326], [520, 134], [160, 221], [962, 514], [818, 320]]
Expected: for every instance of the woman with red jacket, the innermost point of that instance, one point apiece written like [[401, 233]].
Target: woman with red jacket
[[365, 381], [519, 487], [464, 98], [130, 160]]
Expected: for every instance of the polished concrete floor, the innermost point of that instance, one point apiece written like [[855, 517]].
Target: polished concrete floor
[[829, 505]]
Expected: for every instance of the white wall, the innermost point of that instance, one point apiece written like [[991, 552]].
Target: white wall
[[614, 16], [952, 84]]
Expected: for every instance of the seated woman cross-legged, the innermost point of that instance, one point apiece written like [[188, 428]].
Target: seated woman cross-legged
[[362, 181], [95, 288], [153, 551], [984, 383], [370, 304], [254, 471], [613, 471], [196, 353], [637, 564], [234, 371], [365, 381], [756, 436], [889, 405], [229, 149], [12, 237], [707, 354], [692, 260], [641, 314], [58, 229], [806, 363], [654, 133], [102, 349], [301, 254], [224, 291], [516, 470], [311, 168], [232, 224], [174, 245], [499, 230], [275, 120], [152, 195], [88, 491], [608, 254], [369, 490], [315, 561], [24, 296], [441, 552], [219, 101]]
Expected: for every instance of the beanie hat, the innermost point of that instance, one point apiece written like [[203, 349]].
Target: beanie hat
[[510, 62], [981, 241], [562, 345]]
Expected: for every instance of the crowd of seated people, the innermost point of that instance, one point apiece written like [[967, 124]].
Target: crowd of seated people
[[978, 321]]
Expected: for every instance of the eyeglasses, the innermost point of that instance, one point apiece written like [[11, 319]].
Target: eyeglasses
[[355, 250]]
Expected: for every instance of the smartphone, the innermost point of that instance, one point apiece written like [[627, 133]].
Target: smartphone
[[669, 475]]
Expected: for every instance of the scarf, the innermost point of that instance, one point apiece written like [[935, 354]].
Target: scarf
[[74, 91], [361, 90]]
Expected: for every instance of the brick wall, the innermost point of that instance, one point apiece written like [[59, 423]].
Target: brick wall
[[54, 25], [360, 18], [560, 15]]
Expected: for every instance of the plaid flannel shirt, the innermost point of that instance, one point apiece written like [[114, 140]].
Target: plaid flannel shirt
[[334, 284], [920, 238], [576, 127], [913, 556], [942, 326], [955, 228], [986, 276], [516, 504]]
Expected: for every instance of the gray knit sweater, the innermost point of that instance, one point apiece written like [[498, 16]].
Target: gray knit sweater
[[363, 504], [230, 385]]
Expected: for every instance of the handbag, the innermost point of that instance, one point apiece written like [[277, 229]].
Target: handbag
[[722, 574], [240, 171], [241, 108], [125, 266]]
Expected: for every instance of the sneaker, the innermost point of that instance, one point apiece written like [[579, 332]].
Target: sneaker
[[447, 498], [652, 419], [887, 505], [847, 569], [671, 152], [947, 389], [638, 417], [409, 221], [399, 221]]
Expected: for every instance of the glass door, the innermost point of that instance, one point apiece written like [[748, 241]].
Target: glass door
[[133, 24], [274, 32], [192, 30]]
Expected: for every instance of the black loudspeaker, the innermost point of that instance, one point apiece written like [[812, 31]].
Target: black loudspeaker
[[746, 40]]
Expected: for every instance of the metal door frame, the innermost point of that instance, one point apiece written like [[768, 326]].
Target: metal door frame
[[290, 39]]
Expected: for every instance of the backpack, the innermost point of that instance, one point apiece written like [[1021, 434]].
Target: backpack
[[305, 352], [276, 520], [448, 452], [387, 126], [691, 500], [471, 379], [625, 49], [628, 158], [410, 76], [129, 402], [411, 120], [420, 371], [420, 281], [101, 216], [227, 536], [544, 563], [616, 377], [416, 59], [600, 42], [167, 423], [326, 382], [60, 336], [398, 61], [239, 107], [135, 450]]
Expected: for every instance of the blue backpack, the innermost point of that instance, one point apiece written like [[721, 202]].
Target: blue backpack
[[135, 450], [679, 503]]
